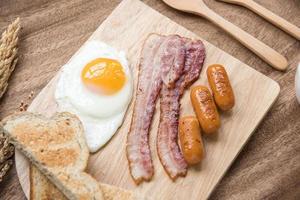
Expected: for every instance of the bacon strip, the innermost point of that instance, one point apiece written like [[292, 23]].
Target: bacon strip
[[194, 59], [161, 60], [173, 55], [167, 146]]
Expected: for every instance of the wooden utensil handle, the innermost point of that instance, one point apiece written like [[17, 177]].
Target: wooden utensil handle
[[265, 52], [273, 18]]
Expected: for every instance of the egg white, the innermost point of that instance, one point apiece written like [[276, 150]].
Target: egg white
[[101, 115]]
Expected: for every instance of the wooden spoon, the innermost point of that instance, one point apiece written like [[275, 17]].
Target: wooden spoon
[[268, 15], [265, 52]]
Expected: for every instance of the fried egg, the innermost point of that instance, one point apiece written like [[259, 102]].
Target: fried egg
[[96, 85]]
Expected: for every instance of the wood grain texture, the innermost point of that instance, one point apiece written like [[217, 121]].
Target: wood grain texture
[[126, 29], [267, 168]]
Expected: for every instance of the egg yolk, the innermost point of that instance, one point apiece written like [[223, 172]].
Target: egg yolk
[[103, 75]]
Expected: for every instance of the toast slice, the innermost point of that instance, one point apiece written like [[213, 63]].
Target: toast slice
[[42, 189], [57, 147]]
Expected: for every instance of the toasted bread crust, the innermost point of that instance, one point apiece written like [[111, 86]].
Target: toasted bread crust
[[56, 146], [42, 189]]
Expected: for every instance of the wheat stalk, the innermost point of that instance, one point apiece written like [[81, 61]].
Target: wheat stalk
[[8, 52], [4, 168], [6, 152], [6, 149], [8, 61]]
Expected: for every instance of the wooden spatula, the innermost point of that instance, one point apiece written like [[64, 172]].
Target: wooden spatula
[[268, 15], [265, 52]]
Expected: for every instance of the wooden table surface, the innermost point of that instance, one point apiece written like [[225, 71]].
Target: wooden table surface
[[269, 165]]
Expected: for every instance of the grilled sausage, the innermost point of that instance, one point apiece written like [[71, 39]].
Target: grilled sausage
[[220, 86], [190, 140], [205, 109]]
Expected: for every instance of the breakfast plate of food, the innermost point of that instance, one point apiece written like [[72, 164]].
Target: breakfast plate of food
[[157, 112]]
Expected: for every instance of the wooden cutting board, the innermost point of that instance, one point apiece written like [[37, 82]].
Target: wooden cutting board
[[125, 29]]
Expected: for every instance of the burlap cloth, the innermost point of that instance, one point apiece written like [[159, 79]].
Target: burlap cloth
[[269, 165]]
